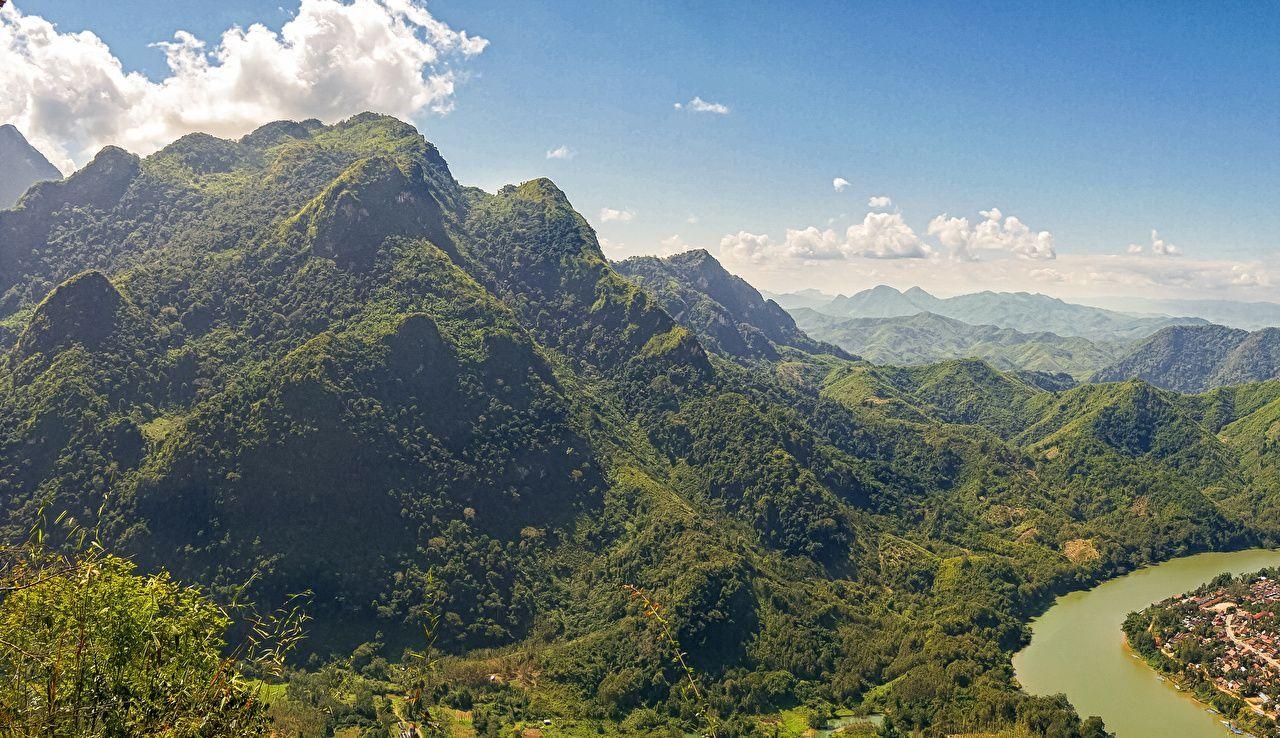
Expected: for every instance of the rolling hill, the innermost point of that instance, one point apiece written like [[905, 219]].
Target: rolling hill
[[926, 338], [1020, 311], [1199, 358]]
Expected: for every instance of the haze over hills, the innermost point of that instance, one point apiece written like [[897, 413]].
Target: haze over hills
[[1199, 358], [1020, 311], [1250, 316], [925, 338], [21, 166], [313, 360]]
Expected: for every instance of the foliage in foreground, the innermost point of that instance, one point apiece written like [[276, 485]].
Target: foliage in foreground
[[91, 647]]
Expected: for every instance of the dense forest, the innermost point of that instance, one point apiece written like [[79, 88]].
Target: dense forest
[[508, 482]]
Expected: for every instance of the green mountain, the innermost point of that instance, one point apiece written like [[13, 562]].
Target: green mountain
[[312, 360], [22, 165], [1020, 311], [728, 315], [925, 338], [1198, 358]]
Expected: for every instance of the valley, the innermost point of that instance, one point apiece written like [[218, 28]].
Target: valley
[[310, 361]]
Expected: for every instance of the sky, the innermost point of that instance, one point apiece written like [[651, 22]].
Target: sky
[[1084, 150]]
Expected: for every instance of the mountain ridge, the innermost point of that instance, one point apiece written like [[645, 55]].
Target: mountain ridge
[[457, 414], [1025, 312], [23, 166]]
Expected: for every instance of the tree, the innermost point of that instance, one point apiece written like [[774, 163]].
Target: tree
[[91, 647]]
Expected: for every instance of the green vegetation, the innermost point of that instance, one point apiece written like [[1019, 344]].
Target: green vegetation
[[311, 360], [925, 338], [1217, 642], [90, 647], [1200, 358]]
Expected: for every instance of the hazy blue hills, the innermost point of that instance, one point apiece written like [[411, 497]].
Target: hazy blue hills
[[21, 166], [1250, 316], [925, 338], [1021, 311]]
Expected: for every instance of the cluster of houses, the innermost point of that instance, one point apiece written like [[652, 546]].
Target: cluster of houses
[[1231, 634]]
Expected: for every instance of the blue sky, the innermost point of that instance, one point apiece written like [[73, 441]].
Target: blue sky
[[1097, 122]]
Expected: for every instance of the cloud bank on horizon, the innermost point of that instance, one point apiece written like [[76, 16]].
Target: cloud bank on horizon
[[995, 251], [71, 96]]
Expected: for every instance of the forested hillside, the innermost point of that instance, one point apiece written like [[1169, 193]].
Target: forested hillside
[[311, 360], [925, 338], [1199, 358], [1020, 311]]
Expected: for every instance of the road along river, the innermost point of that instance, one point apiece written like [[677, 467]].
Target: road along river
[[1077, 648]]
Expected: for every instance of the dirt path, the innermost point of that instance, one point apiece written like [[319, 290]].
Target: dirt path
[[1231, 635]]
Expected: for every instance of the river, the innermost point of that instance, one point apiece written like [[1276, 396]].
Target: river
[[1077, 648]]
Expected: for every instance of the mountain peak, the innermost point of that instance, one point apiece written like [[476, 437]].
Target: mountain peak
[[373, 199], [23, 165], [81, 310], [725, 311]]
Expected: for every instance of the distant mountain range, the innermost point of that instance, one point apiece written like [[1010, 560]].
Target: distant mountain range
[[22, 166], [1200, 358], [1021, 311], [925, 338], [1250, 316]]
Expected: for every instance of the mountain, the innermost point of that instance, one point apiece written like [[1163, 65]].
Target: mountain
[[22, 165], [1250, 316], [310, 360], [727, 314], [1019, 311], [807, 298], [1199, 358], [926, 338]]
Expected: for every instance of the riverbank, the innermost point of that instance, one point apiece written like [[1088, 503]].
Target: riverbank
[[1077, 648]]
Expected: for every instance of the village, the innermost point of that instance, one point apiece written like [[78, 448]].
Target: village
[[1226, 634]]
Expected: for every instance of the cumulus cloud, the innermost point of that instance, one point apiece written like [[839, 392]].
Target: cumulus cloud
[[698, 105], [1135, 248], [839, 183], [745, 248], [814, 245], [673, 244], [995, 232], [625, 215], [330, 60], [561, 152], [879, 202], [1161, 247], [885, 236]]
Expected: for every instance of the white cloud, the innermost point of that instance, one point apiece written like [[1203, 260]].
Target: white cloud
[[1161, 247], [673, 244], [885, 236], [613, 215], [879, 202], [691, 220], [995, 232], [698, 105], [1135, 248], [814, 245], [745, 248], [561, 152], [839, 183], [331, 60]]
